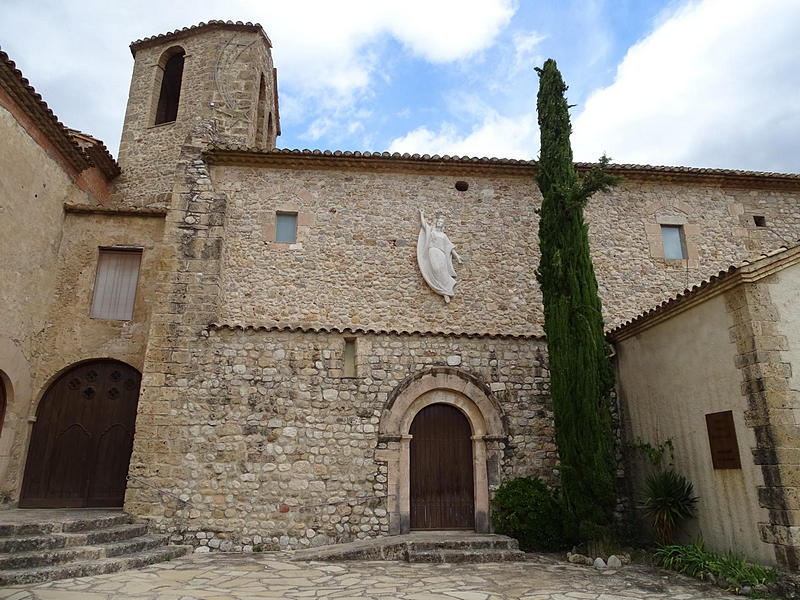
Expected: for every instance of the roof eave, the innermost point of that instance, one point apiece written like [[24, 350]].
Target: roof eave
[[749, 271], [185, 32]]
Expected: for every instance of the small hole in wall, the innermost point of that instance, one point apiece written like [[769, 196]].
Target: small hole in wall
[[760, 220], [462, 186]]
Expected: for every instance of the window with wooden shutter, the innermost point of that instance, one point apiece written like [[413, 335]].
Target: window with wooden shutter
[[115, 283]]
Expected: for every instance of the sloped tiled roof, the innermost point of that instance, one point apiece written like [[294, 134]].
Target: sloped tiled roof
[[97, 152], [369, 330], [748, 270], [187, 31], [80, 156], [233, 153]]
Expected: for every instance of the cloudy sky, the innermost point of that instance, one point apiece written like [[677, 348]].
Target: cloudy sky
[[707, 83]]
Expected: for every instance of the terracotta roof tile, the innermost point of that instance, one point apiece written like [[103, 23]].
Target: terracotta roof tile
[[65, 139], [369, 330], [485, 160], [186, 31], [710, 282], [97, 152]]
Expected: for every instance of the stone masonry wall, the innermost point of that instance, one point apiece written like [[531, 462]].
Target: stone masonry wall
[[354, 263], [66, 334], [220, 86], [272, 446], [32, 193], [765, 337], [48, 269]]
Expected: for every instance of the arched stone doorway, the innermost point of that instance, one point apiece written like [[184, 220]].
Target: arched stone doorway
[[481, 411], [81, 442]]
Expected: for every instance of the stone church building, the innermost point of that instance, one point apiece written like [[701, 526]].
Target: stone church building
[[237, 341]]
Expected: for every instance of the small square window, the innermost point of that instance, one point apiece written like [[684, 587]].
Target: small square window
[[674, 245], [286, 227], [760, 220], [115, 283]]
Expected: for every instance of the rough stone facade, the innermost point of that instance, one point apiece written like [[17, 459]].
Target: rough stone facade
[[220, 87], [354, 263], [269, 439], [248, 431]]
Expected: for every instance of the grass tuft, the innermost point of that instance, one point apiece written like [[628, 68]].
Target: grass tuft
[[695, 560]]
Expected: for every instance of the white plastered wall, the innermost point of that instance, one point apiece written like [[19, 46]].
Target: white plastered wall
[[670, 376]]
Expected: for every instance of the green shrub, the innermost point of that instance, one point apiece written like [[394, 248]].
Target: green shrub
[[694, 560], [526, 510], [668, 501]]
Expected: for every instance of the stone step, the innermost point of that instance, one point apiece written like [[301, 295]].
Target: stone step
[[39, 558], [137, 544], [84, 568], [433, 546], [93, 524], [494, 542], [112, 533], [117, 533], [33, 542], [69, 525], [485, 555], [43, 558]]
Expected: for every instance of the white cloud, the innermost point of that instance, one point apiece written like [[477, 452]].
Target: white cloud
[[329, 62], [526, 49], [715, 85], [331, 50], [328, 53], [495, 136]]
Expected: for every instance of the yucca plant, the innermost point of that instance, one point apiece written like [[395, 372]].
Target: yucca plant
[[668, 501]]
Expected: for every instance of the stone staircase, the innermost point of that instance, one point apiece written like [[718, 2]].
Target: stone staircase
[[43, 545], [479, 549], [423, 547]]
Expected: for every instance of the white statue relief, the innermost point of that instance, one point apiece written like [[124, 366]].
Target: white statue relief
[[435, 254]]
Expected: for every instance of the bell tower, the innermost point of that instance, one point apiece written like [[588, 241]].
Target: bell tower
[[214, 82]]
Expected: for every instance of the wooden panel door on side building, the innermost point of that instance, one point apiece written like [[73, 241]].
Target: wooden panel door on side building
[[83, 436]]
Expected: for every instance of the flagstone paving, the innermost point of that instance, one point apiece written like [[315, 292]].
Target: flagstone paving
[[273, 575]]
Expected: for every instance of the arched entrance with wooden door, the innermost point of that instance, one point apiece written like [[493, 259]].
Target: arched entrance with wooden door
[[441, 438], [442, 481], [82, 439]]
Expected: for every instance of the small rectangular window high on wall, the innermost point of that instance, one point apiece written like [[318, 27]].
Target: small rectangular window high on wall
[[349, 357], [115, 283], [672, 238], [286, 227]]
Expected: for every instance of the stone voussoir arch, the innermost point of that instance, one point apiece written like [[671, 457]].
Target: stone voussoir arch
[[444, 385]]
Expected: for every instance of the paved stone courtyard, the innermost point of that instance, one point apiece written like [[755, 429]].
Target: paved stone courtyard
[[274, 575]]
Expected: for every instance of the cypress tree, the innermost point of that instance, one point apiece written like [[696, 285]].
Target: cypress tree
[[581, 376]]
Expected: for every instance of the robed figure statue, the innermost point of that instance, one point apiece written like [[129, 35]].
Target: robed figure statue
[[435, 254]]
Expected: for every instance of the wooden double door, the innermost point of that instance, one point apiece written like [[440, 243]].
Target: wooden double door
[[441, 469], [81, 442]]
